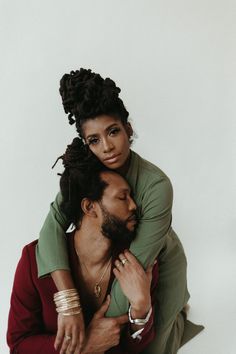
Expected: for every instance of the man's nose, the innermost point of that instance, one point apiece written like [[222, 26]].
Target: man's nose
[[132, 204], [107, 145]]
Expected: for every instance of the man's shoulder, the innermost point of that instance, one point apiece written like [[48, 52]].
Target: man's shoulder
[[30, 247], [28, 253]]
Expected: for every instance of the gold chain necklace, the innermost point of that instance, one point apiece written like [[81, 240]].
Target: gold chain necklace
[[97, 288]]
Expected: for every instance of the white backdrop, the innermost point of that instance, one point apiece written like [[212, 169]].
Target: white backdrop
[[175, 62]]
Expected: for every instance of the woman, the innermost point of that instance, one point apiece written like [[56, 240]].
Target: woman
[[101, 119]]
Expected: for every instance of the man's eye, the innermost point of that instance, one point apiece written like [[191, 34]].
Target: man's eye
[[114, 131], [122, 198], [93, 141]]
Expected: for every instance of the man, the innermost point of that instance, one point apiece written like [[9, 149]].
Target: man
[[99, 204]]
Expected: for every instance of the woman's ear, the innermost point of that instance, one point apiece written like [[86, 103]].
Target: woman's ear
[[88, 207], [129, 130]]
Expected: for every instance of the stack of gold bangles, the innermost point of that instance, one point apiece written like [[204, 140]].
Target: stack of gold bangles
[[67, 302]]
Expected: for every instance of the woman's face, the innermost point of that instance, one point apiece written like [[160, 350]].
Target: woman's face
[[108, 139]]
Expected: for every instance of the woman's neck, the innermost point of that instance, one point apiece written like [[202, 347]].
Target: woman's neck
[[124, 169]]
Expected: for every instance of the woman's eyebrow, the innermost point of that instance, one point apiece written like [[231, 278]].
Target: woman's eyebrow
[[91, 135], [106, 129], [111, 126]]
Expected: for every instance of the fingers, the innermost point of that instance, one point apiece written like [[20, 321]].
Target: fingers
[[81, 341], [65, 344], [117, 273], [122, 319], [59, 337], [103, 309], [73, 342], [119, 266], [130, 257]]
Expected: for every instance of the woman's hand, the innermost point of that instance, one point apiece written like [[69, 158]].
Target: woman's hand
[[135, 282], [72, 326], [103, 333]]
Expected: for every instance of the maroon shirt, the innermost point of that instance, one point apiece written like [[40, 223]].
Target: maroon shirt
[[32, 322]]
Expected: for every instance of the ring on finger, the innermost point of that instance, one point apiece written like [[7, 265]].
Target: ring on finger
[[123, 261], [67, 337]]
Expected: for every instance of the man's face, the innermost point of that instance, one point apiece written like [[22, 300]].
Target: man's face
[[118, 210]]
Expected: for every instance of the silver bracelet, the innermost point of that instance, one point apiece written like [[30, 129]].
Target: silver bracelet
[[139, 321]]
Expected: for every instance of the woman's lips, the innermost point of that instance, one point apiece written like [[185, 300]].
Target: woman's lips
[[112, 159]]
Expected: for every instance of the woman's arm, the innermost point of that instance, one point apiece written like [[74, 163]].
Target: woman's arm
[[155, 221], [52, 257], [139, 287], [51, 252]]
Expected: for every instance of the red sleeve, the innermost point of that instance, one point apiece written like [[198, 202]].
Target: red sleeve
[[128, 345], [26, 334]]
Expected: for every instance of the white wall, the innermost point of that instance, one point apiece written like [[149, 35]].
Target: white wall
[[176, 64]]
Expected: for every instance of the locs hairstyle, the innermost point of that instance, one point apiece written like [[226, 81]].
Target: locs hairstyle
[[80, 179], [86, 95]]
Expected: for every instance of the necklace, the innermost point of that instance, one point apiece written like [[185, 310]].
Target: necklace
[[97, 287]]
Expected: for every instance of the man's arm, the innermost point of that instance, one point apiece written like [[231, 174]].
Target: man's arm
[[26, 334]]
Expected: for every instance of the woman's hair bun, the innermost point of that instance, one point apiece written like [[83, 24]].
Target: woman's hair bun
[[86, 94]]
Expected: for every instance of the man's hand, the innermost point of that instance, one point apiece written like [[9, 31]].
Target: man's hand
[[72, 326], [103, 333]]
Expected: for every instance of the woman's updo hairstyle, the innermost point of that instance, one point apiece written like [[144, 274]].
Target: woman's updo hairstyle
[[80, 179], [86, 94]]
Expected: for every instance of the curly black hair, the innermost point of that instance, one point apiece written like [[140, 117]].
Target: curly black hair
[[80, 179], [86, 95]]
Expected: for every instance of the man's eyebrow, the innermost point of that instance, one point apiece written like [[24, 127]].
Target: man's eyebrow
[[125, 189], [107, 129]]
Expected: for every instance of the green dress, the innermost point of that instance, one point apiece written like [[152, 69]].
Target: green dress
[[153, 194]]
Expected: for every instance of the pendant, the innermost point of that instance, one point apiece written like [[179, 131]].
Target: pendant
[[97, 290]]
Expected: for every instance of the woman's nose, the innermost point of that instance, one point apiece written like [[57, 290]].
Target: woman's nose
[[107, 145]]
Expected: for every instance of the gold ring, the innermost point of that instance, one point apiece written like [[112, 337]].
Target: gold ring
[[123, 261], [67, 338]]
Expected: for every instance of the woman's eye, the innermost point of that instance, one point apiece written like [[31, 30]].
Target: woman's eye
[[114, 131], [93, 141]]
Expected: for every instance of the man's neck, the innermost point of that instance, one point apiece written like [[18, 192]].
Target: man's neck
[[92, 248]]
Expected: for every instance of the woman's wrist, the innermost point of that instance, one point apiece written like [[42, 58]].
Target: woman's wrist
[[140, 309], [140, 313], [63, 279]]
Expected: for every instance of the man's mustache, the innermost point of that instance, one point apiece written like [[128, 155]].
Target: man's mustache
[[133, 216]]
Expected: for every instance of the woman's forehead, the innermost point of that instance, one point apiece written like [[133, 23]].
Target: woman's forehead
[[99, 124]]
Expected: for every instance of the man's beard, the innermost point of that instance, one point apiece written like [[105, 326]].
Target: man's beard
[[116, 229]]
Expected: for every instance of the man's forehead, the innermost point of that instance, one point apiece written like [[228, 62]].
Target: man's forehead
[[115, 181]]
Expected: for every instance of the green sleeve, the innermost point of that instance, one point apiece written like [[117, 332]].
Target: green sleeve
[[156, 205], [51, 251]]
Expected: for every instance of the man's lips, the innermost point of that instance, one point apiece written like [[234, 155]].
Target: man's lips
[[132, 218]]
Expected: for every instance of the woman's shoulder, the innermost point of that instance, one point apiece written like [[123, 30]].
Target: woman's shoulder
[[152, 187], [148, 181], [147, 170]]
